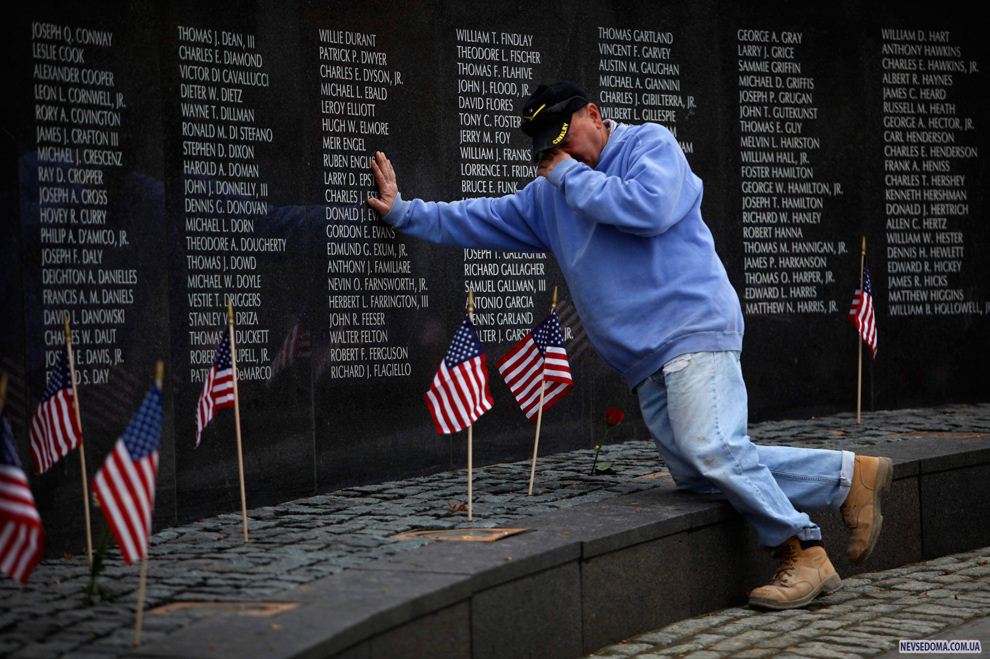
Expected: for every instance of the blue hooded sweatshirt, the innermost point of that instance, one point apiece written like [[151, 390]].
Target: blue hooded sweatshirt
[[639, 261]]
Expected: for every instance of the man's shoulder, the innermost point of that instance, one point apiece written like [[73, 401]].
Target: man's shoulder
[[646, 131], [637, 137], [650, 140]]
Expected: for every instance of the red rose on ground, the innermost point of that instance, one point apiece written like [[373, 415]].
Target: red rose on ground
[[613, 417]]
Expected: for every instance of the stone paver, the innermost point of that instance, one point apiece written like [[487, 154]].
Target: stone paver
[[835, 628], [304, 540]]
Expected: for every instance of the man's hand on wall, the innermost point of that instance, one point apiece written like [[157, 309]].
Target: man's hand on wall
[[388, 188]]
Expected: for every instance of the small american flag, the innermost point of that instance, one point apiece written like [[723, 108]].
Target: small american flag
[[125, 484], [538, 361], [861, 313], [218, 388], [21, 536], [459, 394], [54, 428]]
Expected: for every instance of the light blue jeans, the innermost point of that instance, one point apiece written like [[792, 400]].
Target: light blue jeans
[[696, 409]]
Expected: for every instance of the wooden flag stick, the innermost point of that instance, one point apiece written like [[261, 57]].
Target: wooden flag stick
[[539, 414], [470, 476], [82, 444], [237, 418], [140, 597], [859, 340], [536, 442], [143, 579]]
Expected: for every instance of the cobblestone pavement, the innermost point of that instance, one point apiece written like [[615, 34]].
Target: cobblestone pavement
[[866, 617], [303, 540]]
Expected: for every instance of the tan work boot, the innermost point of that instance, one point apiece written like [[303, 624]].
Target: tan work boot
[[802, 574], [861, 509]]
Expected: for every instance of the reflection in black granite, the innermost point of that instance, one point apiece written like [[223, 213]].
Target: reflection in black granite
[[342, 322]]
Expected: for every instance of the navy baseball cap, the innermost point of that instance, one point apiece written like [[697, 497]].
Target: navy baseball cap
[[546, 114]]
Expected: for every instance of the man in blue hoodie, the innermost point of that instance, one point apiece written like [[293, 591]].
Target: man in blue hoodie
[[620, 209]]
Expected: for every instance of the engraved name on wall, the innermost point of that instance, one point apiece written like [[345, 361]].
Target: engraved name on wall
[[929, 191], [787, 192], [496, 70], [224, 145], [371, 281], [79, 116]]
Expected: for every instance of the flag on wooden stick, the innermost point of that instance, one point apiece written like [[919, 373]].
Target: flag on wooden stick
[[125, 484], [21, 535], [54, 429], [537, 362], [218, 387], [861, 313], [460, 393]]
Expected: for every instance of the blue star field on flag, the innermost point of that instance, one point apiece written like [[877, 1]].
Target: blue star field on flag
[[536, 368], [548, 333], [221, 358], [141, 436], [464, 346], [59, 377]]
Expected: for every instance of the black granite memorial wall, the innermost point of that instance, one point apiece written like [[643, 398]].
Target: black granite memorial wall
[[162, 159]]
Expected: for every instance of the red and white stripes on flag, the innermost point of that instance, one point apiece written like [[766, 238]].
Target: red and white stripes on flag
[[538, 361], [861, 313], [125, 484], [21, 536], [218, 387], [54, 429], [460, 394]]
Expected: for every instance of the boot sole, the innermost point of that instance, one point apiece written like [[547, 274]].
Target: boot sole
[[828, 587], [885, 474]]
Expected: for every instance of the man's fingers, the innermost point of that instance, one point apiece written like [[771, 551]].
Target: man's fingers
[[376, 169], [388, 189], [376, 164], [382, 168], [378, 205], [385, 165]]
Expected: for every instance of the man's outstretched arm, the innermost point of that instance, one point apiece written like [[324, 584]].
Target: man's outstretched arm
[[503, 223]]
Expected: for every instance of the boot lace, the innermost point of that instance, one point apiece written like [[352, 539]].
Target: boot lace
[[787, 557]]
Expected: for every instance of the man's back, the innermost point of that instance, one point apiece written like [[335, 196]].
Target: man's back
[[628, 235]]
